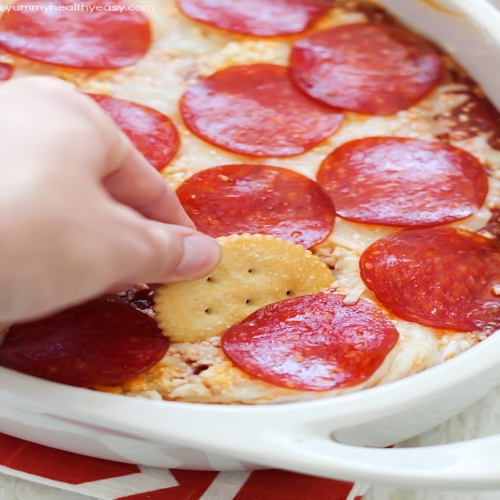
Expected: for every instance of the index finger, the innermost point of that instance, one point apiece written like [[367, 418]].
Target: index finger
[[139, 185], [127, 176]]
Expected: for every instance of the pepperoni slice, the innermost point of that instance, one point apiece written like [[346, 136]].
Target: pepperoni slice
[[255, 110], [256, 17], [314, 342], [5, 71], [403, 182], [440, 277], [99, 342], [152, 133], [375, 69], [92, 34], [258, 199], [476, 116]]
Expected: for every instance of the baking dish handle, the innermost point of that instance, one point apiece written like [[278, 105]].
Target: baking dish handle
[[471, 464]]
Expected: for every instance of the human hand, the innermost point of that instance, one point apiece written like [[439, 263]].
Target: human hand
[[81, 211]]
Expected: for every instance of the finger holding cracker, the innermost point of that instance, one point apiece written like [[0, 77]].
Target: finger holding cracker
[[255, 270]]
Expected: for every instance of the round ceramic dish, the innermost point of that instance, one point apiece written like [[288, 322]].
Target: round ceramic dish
[[325, 437]]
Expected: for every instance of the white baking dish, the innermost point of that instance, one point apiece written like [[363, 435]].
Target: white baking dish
[[304, 437]]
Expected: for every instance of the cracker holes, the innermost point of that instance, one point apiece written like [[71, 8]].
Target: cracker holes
[[208, 311], [248, 301]]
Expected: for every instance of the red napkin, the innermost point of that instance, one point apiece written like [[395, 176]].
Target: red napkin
[[107, 480]]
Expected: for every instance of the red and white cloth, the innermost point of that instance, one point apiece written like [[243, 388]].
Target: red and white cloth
[[107, 480]]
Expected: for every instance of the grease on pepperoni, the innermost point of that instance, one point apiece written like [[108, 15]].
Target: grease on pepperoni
[[371, 68], [441, 277], [5, 71], [258, 199], [256, 17], [314, 342], [152, 133], [99, 342], [256, 110], [403, 182], [102, 39]]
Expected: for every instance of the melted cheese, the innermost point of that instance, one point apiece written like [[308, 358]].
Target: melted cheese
[[185, 51]]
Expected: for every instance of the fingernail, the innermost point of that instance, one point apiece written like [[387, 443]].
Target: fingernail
[[201, 255]]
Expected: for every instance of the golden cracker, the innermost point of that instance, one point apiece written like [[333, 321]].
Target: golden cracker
[[255, 270]]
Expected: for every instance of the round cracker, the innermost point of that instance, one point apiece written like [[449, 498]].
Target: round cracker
[[255, 270]]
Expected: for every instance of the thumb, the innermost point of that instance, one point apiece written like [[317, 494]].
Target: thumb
[[185, 256], [154, 252]]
